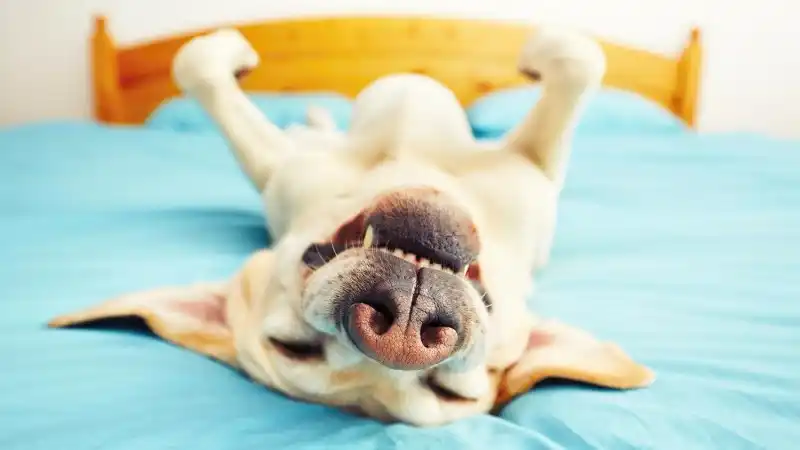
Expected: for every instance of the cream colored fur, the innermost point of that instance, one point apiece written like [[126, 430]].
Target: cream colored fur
[[407, 130]]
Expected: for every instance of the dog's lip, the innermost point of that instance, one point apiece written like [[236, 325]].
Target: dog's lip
[[353, 232], [318, 254]]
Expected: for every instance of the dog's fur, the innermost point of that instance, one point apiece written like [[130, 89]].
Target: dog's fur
[[402, 227]]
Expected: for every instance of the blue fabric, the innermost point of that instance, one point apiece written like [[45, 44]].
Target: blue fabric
[[684, 249], [609, 111], [283, 109]]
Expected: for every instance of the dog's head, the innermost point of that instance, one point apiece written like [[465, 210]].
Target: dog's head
[[387, 315]]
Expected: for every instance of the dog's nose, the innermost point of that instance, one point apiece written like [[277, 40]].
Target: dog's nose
[[404, 332]]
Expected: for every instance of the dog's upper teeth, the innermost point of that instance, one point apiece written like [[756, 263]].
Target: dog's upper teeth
[[464, 270], [369, 236], [410, 257]]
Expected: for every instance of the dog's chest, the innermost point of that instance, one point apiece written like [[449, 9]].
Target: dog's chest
[[307, 184], [326, 190], [516, 203]]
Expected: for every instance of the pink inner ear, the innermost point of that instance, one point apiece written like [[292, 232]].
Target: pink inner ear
[[538, 339], [210, 309]]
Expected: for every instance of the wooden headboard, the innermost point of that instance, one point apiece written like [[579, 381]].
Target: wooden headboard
[[472, 57]]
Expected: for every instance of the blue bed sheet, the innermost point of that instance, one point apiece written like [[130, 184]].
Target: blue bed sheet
[[684, 249]]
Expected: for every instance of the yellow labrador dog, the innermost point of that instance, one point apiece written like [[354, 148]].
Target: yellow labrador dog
[[404, 250]]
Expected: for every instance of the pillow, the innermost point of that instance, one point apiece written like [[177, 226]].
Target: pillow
[[609, 111], [283, 109]]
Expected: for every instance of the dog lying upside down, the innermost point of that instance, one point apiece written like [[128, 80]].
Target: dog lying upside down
[[404, 251]]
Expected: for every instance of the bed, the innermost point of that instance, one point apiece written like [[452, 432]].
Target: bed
[[683, 247]]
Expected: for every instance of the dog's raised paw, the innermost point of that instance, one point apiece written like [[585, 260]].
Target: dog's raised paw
[[557, 55], [213, 58]]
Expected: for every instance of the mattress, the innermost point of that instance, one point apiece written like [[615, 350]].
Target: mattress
[[683, 248]]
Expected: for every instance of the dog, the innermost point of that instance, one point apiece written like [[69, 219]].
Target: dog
[[404, 250]]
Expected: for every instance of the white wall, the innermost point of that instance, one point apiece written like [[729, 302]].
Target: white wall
[[752, 69]]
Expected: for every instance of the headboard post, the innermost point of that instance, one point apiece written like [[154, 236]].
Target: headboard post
[[689, 65], [107, 101]]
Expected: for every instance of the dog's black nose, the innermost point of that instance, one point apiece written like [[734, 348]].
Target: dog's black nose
[[411, 321]]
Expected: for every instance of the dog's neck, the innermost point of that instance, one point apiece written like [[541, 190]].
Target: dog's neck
[[346, 183]]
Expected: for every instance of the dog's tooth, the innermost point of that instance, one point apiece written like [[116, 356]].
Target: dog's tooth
[[436, 266], [369, 236], [464, 270], [424, 262], [410, 257], [399, 253]]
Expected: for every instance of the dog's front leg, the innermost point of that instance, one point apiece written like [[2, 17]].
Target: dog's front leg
[[207, 68], [571, 67]]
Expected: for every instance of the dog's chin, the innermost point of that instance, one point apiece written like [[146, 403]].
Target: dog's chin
[[383, 306]]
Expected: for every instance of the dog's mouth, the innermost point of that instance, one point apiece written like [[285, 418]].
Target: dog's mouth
[[419, 225], [406, 301], [319, 254]]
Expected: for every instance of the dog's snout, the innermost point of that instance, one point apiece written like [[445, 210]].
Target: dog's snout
[[403, 326]]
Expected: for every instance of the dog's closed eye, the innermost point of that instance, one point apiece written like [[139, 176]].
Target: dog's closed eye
[[317, 255], [444, 393], [299, 350]]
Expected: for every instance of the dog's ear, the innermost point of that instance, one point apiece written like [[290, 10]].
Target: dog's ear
[[193, 317], [557, 350]]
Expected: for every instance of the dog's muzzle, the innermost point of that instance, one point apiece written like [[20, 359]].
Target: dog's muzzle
[[412, 317], [408, 307]]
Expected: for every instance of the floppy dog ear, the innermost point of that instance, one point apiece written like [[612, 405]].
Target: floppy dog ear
[[557, 350], [193, 317]]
